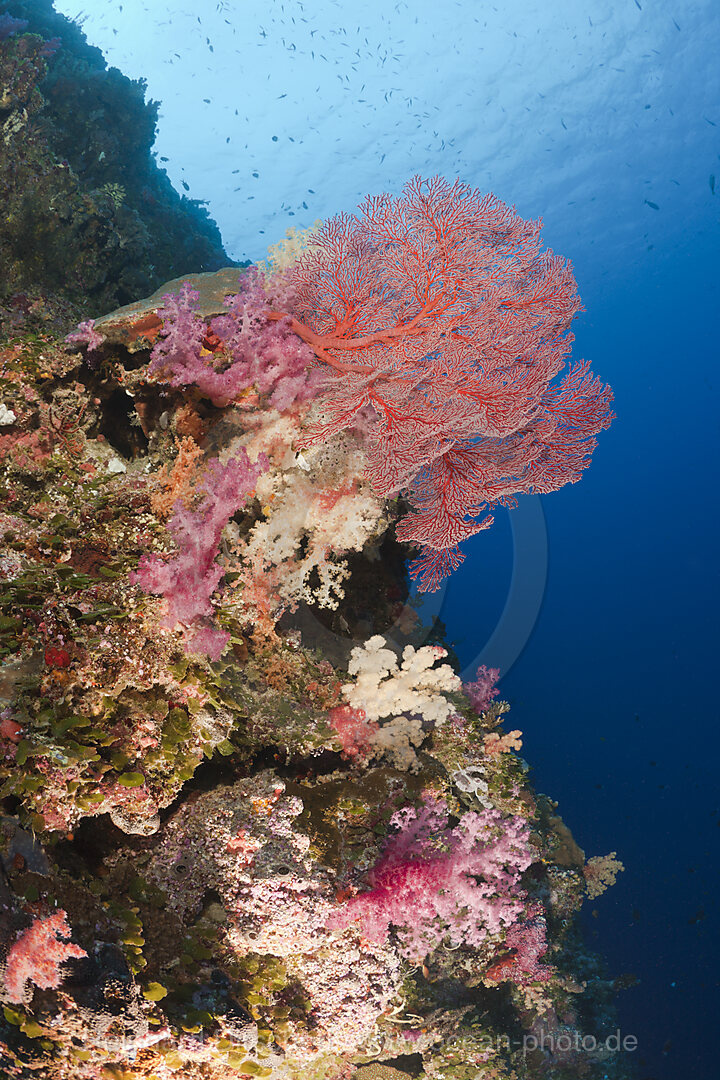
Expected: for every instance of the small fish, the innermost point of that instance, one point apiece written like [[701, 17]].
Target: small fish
[[652, 205], [712, 183], [186, 186], [563, 124]]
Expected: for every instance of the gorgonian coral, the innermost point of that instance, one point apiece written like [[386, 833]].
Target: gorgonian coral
[[438, 311]]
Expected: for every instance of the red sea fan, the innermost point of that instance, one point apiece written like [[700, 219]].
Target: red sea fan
[[438, 313]]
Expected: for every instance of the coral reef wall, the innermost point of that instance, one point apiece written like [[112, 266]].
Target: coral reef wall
[[88, 216], [251, 821]]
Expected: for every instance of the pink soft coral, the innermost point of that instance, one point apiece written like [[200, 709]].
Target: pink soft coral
[[189, 579], [528, 943], [482, 691], [240, 350], [87, 335], [36, 957], [354, 731], [434, 882]]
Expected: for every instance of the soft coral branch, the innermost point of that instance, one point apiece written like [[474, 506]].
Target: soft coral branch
[[36, 957], [240, 350], [433, 882], [190, 578]]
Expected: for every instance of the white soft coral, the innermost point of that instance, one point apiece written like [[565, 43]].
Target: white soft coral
[[317, 509], [384, 688], [410, 693]]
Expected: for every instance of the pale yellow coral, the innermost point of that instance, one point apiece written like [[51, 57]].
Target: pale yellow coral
[[315, 503], [383, 687], [601, 872], [285, 253], [404, 694]]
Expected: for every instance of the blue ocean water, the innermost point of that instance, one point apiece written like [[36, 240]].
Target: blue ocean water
[[603, 118]]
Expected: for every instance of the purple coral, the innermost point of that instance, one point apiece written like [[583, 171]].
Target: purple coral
[[482, 691], [246, 350], [10, 26], [86, 335], [434, 882], [50, 47], [177, 352], [189, 579]]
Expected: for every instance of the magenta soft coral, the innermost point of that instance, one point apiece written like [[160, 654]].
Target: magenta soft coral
[[434, 882], [36, 957], [188, 580], [252, 351], [483, 689]]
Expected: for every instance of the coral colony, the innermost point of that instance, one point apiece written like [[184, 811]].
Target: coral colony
[[254, 824]]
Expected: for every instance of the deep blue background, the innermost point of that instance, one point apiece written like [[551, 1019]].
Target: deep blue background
[[617, 688]]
